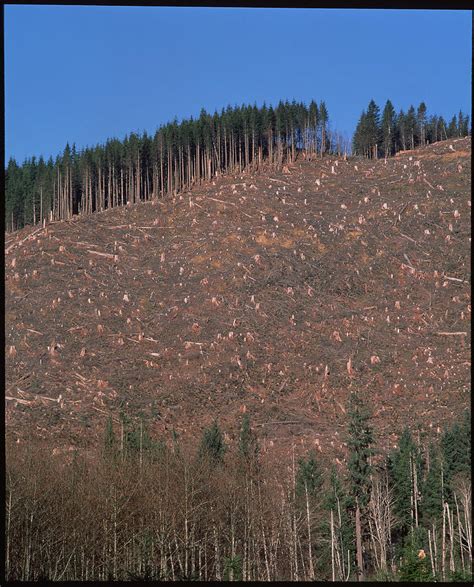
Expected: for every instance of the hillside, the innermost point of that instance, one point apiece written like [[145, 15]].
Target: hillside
[[275, 294]]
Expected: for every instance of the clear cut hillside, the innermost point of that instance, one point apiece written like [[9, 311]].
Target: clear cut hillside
[[276, 294]]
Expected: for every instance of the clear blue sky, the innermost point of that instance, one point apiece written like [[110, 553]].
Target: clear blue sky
[[86, 73]]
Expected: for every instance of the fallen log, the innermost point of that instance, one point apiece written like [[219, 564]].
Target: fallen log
[[107, 255]]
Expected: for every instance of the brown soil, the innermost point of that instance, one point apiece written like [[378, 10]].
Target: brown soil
[[192, 309]]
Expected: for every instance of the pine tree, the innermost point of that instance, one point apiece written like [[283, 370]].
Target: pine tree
[[388, 129], [313, 126], [340, 528], [421, 119], [415, 566], [373, 129], [360, 443], [180, 155], [443, 129], [404, 466], [463, 124], [432, 489], [401, 131], [456, 452], [309, 478], [360, 141], [452, 130], [308, 485], [410, 127], [212, 445], [323, 121]]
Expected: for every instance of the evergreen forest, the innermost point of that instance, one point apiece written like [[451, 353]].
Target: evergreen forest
[[142, 508], [180, 155]]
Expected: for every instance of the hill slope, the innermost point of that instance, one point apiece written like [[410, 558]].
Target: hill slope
[[274, 294]]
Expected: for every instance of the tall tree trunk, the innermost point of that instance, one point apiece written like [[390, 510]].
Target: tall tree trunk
[[310, 546], [360, 562], [333, 565]]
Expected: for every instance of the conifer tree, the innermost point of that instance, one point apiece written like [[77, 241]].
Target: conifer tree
[[340, 528], [308, 485], [402, 131], [323, 120], [212, 445], [432, 489], [421, 119], [452, 130], [415, 566], [360, 442], [463, 124], [388, 129], [456, 447], [184, 153], [406, 476], [410, 127]]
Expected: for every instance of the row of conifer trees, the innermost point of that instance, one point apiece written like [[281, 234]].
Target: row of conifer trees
[[384, 135], [178, 156], [181, 155], [144, 509]]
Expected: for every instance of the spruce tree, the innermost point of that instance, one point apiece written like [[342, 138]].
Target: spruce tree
[[452, 130], [404, 466], [309, 478], [421, 119], [402, 131], [410, 127], [463, 124], [373, 131], [212, 447], [432, 489], [388, 129], [338, 503], [456, 453], [360, 443], [415, 566], [308, 485], [360, 141], [323, 121]]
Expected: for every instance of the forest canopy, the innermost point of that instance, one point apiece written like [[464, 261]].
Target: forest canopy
[[178, 156]]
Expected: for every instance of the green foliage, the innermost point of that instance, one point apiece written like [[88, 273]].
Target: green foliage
[[432, 491], [180, 154], [66, 505], [212, 446], [340, 502], [137, 441], [460, 576], [405, 131], [309, 478], [388, 129], [463, 124], [453, 128], [456, 452], [401, 463], [415, 567], [360, 443], [233, 568]]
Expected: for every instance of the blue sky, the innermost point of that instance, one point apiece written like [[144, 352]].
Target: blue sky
[[86, 73]]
